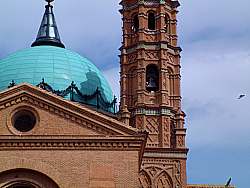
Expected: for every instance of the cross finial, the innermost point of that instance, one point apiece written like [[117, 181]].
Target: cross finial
[[49, 1]]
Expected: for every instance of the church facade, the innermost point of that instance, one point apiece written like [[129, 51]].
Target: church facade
[[59, 126]]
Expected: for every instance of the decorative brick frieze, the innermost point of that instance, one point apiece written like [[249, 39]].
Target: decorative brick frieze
[[161, 173], [154, 111]]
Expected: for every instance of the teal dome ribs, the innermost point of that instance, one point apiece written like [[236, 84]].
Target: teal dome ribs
[[59, 67]]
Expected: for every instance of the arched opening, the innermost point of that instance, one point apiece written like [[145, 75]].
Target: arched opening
[[22, 185], [152, 78], [135, 23], [25, 178], [167, 24], [151, 21]]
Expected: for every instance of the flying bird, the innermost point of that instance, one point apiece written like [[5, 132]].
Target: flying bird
[[241, 96], [228, 182]]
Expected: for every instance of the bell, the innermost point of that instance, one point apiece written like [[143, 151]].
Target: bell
[[151, 84]]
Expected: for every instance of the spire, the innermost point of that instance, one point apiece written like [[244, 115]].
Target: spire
[[48, 33]]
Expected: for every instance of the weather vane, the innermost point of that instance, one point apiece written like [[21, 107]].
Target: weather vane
[[49, 1]]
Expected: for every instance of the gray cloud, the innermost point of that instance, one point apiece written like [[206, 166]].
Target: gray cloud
[[211, 19], [215, 68]]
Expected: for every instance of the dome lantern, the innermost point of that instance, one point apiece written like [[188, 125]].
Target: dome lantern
[[48, 32]]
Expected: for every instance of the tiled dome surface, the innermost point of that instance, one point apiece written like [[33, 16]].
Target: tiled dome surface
[[58, 66]]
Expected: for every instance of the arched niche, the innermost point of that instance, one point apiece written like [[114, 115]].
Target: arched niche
[[163, 181], [168, 24], [171, 81], [131, 85], [135, 23]]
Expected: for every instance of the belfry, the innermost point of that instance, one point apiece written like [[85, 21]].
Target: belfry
[[61, 127], [150, 89]]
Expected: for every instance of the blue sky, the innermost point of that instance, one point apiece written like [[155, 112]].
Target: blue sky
[[215, 37]]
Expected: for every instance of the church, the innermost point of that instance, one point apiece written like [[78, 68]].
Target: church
[[61, 126]]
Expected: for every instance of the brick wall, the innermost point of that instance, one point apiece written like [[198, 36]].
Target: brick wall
[[102, 169]]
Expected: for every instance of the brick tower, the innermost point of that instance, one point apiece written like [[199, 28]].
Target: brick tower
[[150, 89]]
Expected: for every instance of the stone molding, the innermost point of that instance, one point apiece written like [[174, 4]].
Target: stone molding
[[166, 155]]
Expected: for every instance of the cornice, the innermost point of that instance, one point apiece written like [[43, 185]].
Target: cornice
[[148, 3], [71, 143]]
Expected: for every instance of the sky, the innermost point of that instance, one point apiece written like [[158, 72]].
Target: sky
[[215, 38]]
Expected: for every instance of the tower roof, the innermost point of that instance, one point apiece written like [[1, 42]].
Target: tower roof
[[48, 32]]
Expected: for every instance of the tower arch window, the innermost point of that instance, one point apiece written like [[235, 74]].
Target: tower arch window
[[135, 23], [168, 24], [152, 78], [151, 21]]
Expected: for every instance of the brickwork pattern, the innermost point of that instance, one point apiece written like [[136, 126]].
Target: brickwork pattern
[[95, 169]]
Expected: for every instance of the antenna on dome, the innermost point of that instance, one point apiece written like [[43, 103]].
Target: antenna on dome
[[48, 34]]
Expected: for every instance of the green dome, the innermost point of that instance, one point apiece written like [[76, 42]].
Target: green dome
[[58, 66]]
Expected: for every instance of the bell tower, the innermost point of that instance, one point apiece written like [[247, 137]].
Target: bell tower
[[150, 89]]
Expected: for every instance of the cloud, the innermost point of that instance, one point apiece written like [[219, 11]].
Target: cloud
[[113, 77], [213, 78], [211, 19]]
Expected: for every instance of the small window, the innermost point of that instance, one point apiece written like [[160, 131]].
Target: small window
[[135, 24], [24, 120], [152, 78], [151, 21]]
